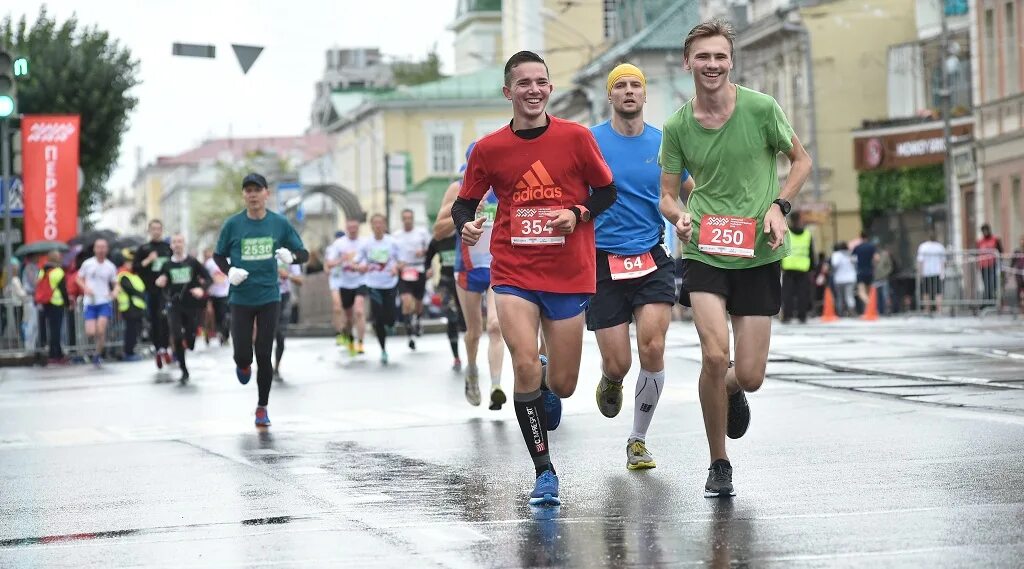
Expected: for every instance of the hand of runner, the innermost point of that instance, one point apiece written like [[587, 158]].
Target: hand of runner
[[237, 275], [684, 228], [775, 225], [472, 231], [285, 256], [197, 292], [562, 220], [161, 281]]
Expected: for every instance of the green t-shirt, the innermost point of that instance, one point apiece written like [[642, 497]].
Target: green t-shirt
[[250, 244], [734, 168]]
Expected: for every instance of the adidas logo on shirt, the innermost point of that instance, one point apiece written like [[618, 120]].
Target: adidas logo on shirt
[[536, 184]]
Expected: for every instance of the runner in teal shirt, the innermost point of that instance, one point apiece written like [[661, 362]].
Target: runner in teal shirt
[[255, 241]]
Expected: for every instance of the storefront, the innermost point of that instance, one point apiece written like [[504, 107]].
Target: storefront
[[900, 178]]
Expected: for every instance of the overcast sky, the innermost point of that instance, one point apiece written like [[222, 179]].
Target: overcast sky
[[185, 100]]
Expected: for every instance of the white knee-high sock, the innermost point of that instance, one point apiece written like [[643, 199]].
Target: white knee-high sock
[[648, 390]]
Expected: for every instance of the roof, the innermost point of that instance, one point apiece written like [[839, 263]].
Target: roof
[[483, 84], [466, 6], [310, 145], [665, 33], [435, 188]]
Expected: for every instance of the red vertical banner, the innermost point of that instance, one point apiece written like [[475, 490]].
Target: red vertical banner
[[49, 157]]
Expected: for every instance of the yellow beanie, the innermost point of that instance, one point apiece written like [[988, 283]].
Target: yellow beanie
[[622, 70]]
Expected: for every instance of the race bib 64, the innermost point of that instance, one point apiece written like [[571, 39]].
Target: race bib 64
[[623, 267]]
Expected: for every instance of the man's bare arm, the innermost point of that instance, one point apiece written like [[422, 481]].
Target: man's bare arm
[[670, 205], [445, 225], [799, 170]]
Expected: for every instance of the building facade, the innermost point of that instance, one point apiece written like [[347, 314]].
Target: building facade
[[422, 130], [656, 48], [566, 34], [478, 31], [812, 57], [998, 63]]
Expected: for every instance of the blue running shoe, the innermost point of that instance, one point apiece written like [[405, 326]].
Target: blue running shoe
[[262, 417], [552, 403], [244, 374], [545, 491]]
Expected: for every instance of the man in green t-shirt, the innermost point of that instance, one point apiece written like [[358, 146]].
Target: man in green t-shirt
[[256, 240], [728, 138]]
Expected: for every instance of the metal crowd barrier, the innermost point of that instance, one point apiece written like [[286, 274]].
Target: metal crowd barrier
[[974, 282], [21, 337]]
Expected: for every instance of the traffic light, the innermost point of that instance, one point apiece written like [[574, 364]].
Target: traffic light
[[8, 94]]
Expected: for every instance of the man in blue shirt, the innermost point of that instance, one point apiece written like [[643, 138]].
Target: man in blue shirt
[[635, 271], [866, 254]]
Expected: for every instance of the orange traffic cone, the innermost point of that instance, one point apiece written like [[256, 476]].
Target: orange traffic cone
[[828, 312], [871, 310]]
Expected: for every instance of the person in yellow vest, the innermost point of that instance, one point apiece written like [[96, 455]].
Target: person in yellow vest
[[52, 294], [131, 303], [796, 272]]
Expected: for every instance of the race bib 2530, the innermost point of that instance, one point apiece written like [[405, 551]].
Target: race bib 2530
[[257, 248]]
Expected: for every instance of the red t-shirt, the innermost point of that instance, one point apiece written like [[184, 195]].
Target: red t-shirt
[[987, 244], [555, 170]]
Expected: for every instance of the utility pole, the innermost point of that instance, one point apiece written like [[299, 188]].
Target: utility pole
[[387, 191], [5, 157], [947, 137]]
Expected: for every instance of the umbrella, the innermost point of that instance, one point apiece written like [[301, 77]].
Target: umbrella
[[129, 241], [89, 237], [40, 247]]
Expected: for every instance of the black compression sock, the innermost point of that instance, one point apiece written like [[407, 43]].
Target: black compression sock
[[530, 414]]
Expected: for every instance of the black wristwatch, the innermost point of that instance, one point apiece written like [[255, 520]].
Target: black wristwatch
[[581, 212], [784, 205]]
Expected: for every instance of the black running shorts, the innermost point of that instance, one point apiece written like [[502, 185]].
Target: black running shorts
[[348, 295], [615, 301], [416, 288], [756, 291]]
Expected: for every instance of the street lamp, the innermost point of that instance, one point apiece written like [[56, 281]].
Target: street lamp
[[950, 64]]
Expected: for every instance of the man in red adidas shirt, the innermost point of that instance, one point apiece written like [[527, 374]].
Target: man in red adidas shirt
[[542, 170]]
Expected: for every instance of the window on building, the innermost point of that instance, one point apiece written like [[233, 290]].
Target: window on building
[[996, 209], [1016, 229], [991, 76], [442, 153], [611, 18], [1011, 67]]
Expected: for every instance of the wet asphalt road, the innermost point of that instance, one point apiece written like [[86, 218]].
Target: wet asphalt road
[[856, 456]]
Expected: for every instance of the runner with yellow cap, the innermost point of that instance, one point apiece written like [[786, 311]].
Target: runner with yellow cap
[[635, 270]]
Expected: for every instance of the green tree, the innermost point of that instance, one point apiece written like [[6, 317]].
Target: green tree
[[901, 189], [77, 70], [417, 72], [211, 207]]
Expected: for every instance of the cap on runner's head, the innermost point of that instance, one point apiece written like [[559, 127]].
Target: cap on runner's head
[[254, 179], [621, 71]]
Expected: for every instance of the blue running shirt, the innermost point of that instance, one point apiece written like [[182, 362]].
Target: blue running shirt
[[634, 223]]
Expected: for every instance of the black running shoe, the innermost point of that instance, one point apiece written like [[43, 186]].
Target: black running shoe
[[184, 377], [739, 415], [719, 484]]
